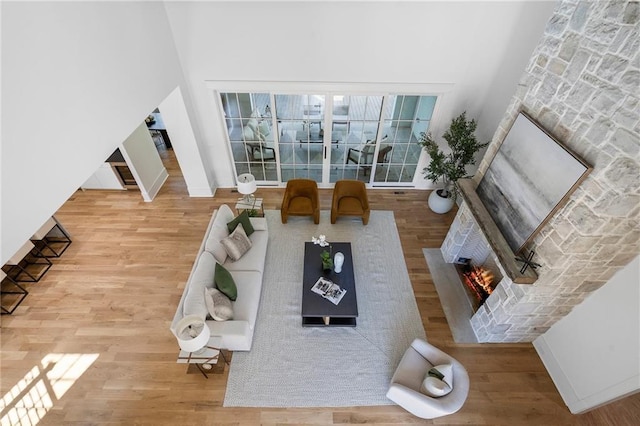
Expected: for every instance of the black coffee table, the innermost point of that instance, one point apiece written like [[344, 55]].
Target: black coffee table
[[318, 311]]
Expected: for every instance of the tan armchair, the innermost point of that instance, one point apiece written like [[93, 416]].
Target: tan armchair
[[350, 199], [301, 199]]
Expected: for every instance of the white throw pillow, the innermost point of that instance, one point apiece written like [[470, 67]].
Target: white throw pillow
[[264, 128], [435, 387], [213, 244], [248, 134], [218, 305], [237, 244], [252, 124]]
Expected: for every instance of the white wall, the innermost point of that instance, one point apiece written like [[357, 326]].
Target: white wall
[[103, 178], [177, 119], [145, 163], [593, 354], [480, 47], [77, 79]]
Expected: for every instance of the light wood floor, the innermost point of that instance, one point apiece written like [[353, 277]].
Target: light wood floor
[[114, 292]]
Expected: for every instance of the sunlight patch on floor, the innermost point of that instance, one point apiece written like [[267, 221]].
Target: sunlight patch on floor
[[38, 391]]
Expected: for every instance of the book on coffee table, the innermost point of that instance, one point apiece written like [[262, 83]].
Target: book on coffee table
[[329, 290]]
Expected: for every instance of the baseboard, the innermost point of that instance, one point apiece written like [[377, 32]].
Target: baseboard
[[202, 191]]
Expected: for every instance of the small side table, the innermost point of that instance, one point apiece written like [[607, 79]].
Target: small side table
[[17, 295], [206, 361], [256, 206]]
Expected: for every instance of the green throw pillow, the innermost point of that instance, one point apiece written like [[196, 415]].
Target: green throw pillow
[[224, 282], [242, 218]]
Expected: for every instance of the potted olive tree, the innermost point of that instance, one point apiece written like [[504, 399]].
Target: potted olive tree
[[451, 166]]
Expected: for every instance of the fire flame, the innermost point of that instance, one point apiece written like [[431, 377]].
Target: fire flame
[[480, 280]]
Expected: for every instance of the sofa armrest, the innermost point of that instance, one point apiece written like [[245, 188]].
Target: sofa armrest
[[258, 223]]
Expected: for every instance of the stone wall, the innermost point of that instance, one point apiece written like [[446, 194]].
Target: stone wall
[[582, 85]]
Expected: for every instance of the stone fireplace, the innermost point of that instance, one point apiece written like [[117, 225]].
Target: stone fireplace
[[466, 240], [581, 85]]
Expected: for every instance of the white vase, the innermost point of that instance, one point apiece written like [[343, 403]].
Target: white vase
[[338, 261], [439, 204]]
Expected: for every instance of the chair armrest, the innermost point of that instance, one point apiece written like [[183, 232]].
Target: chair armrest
[[349, 158], [429, 352], [285, 201], [315, 200], [416, 403], [365, 201]]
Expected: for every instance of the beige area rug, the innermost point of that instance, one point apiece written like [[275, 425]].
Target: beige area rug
[[294, 366]]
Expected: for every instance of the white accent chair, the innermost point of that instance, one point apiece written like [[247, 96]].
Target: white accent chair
[[255, 133], [414, 365]]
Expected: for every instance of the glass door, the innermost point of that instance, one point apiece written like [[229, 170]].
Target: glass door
[[327, 137], [301, 130], [354, 123], [249, 127], [404, 118]]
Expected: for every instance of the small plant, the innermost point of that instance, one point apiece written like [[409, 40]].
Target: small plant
[[327, 262], [252, 213], [452, 166]]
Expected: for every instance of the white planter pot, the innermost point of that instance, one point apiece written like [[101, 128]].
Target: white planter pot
[[439, 204]]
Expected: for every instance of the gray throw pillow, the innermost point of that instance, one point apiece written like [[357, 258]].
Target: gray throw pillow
[[218, 305], [236, 244]]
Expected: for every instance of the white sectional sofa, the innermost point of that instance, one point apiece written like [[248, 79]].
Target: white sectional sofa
[[235, 334]]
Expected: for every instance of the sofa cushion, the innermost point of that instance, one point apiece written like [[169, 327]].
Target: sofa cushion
[[249, 289], [242, 219], [202, 277], [237, 244], [225, 282], [213, 244], [438, 381], [218, 304], [254, 259]]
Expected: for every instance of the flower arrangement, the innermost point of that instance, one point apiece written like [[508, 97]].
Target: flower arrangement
[[321, 240]]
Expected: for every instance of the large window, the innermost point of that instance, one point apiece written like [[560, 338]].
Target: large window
[[327, 137]]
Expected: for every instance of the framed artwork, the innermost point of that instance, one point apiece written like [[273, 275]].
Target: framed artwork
[[531, 176]]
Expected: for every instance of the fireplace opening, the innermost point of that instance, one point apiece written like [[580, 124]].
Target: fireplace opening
[[479, 281]]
